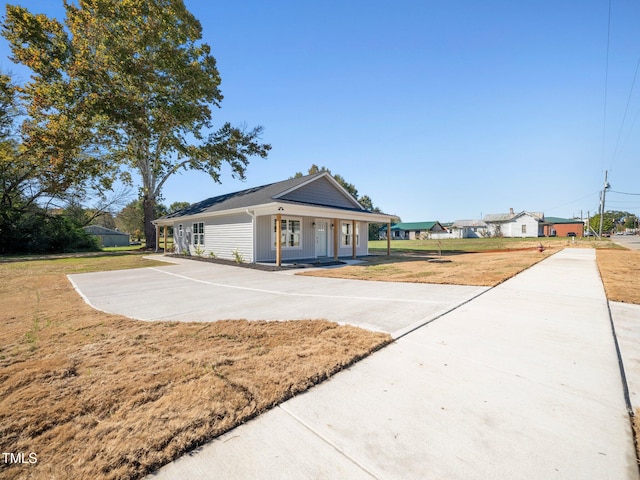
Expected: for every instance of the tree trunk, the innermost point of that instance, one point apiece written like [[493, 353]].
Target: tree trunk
[[148, 206]]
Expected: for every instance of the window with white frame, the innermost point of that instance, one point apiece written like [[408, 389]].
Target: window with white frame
[[290, 232], [198, 233], [524, 228], [346, 238]]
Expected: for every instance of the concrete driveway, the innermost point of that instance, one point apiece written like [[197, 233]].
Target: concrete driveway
[[188, 290], [521, 382]]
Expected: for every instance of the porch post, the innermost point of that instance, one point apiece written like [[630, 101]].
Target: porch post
[[336, 241], [279, 239], [157, 237], [165, 239], [388, 238], [353, 238]]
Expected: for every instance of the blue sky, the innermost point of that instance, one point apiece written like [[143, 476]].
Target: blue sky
[[438, 110]]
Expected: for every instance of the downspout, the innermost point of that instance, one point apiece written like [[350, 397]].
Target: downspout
[[253, 233], [155, 227]]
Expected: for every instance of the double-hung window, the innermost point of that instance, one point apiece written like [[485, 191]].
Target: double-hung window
[[346, 239], [290, 233], [198, 233]]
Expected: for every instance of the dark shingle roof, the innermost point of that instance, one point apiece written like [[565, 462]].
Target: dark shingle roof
[[244, 198]]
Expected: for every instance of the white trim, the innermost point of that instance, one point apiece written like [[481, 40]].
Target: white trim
[[284, 245], [289, 209], [352, 234], [253, 233]]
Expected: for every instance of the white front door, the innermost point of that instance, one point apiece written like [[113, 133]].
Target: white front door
[[321, 239]]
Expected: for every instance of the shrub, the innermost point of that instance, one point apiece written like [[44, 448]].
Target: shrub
[[237, 256]]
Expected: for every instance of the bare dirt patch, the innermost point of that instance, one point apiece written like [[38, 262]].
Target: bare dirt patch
[[101, 396], [619, 271], [481, 269]]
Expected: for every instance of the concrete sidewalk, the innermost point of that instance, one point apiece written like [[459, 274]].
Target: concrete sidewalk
[[521, 382]]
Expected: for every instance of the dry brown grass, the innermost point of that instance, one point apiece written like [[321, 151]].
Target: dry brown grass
[[482, 269], [619, 270], [101, 396]]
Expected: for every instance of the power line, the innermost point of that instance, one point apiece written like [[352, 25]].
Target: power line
[[574, 201], [623, 193], [624, 117]]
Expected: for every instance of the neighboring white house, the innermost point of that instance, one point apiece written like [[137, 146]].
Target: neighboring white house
[[523, 224], [469, 229], [312, 216]]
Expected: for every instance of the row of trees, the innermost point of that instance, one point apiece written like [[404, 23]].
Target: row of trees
[[614, 221], [119, 91]]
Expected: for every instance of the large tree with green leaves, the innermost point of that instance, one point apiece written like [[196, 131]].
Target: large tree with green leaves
[[125, 86], [611, 219]]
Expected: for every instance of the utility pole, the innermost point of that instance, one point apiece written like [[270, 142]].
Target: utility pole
[[602, 197]]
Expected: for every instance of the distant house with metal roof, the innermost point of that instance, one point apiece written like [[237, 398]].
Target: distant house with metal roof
[[299, 218], [107, 237], [563, 227], [413, 230], [469, 229], [523, 224]]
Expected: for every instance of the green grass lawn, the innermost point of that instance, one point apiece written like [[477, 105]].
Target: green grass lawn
[[128, 248], [483, 244]]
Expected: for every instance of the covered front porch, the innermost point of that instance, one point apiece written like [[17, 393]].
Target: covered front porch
[[278, 232], [287, 237]]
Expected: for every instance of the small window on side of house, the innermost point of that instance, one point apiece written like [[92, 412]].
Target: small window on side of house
[[198, 233], [524, 229], [180, 231]]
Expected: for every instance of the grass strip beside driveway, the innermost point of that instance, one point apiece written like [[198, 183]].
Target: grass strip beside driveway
[[481, 269], [95, 395]]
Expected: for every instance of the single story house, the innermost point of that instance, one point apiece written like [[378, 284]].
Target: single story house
[[523, 224], [469, 229], [300, 218], [561, 227], [107, 237], [413, 230]]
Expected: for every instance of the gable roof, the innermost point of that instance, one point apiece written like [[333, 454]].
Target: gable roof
[[264, 194], [508, 217], [468, 223], [498, 217]]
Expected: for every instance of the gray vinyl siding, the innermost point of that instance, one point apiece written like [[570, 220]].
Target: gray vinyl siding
[[222, 236], [320, 192], [266, 253], [362, 248]]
